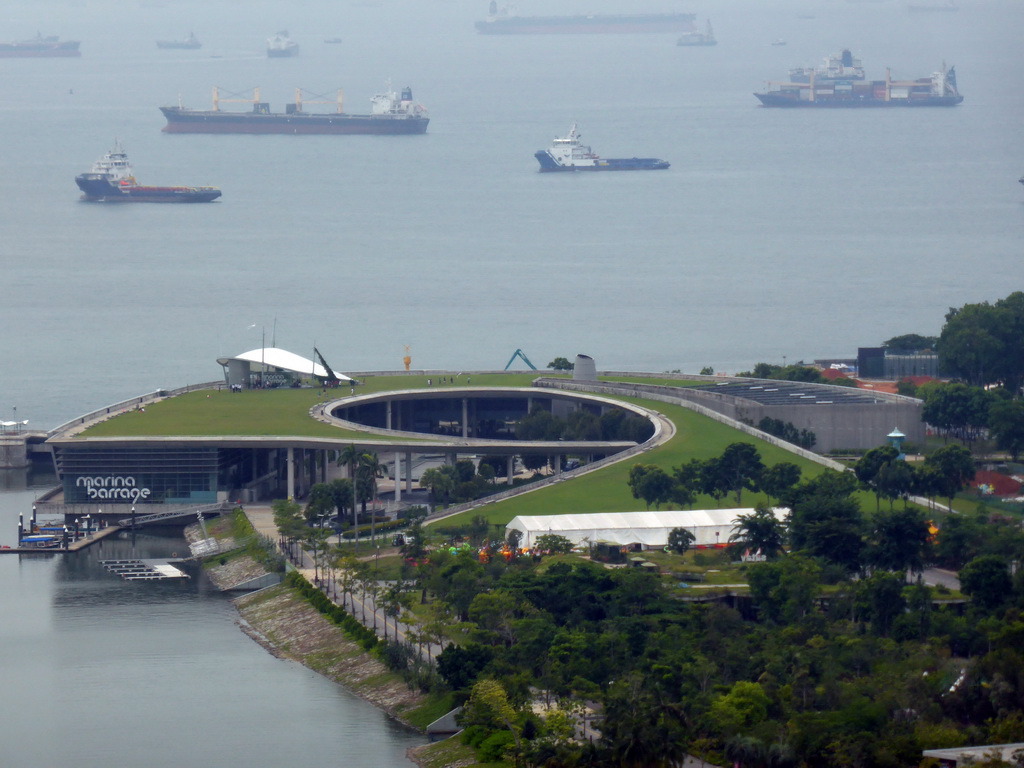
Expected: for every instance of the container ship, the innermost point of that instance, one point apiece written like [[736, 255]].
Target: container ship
[[840, 83], [504, 21], [40, 46], [569, 154], [390, 114], [112, 180]]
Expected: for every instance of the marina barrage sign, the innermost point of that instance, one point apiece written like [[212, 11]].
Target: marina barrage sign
[[112, 488]]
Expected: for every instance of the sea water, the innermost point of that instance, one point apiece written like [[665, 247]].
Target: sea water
[[775, 235]]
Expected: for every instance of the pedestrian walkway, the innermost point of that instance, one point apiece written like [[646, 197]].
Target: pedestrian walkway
[[366, 610]]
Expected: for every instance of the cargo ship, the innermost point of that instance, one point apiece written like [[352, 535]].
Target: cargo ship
[[190, 43], [390, 114], [841, 83], [40, 46], [280, 46], [569, 154], [707, 37], [505, 21], [112, 180]]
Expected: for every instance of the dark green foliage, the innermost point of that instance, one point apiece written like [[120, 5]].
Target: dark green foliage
[[459, 666], [910, 342], [785, 430], [984, 343], [561, 364], [1006, 425], [795, 372], [958, 410], [680, 539], [953, 469], [740, 467], [987, 580], [759, 531]]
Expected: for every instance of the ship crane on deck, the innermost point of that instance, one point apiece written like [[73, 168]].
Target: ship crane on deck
[[234, 98], [319, 99]]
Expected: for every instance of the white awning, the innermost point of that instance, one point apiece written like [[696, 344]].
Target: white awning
[[273, 357]]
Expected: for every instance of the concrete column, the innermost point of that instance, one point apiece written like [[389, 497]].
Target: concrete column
[[509, 468], [325, 457], [290, 461], [387, 421], [398, 476], [408, 469], [558, 463], [465, 417]]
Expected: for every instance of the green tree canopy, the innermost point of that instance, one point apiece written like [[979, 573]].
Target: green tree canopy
[[987, 580], [911, 342], [760, 531], [984, 343]]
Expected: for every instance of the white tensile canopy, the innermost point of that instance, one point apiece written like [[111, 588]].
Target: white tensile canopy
[[273, 357], [710, 527]]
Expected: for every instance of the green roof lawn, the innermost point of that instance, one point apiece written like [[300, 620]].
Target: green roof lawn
[[211, 412], [286, 412], [607, 490]]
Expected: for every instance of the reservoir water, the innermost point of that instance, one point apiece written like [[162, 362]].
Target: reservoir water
[[774, 233]]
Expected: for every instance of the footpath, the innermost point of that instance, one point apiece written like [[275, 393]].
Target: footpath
[[361, 604]]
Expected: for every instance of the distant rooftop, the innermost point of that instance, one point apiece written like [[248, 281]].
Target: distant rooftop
[[772, 392]]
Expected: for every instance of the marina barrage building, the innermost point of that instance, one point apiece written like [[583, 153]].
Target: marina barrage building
[[277, 423]]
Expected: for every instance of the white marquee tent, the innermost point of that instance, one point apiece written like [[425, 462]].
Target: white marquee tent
[[710, 527]]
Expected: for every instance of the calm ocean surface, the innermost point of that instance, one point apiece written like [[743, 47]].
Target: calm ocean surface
[[796, 233]]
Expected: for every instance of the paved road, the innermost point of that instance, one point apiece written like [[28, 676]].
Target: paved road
[[935, 576], [373, 617]]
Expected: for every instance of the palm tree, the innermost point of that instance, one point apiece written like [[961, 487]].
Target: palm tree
[[352, 456], [371, 465], [760, 530]]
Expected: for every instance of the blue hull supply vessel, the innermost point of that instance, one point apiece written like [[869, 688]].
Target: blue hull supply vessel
[[568, 154], [112, 180]]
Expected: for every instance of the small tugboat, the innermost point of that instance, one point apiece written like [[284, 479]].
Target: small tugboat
[[111, 180], [568, 154], [280, 46], [707, 37], [190, 43]]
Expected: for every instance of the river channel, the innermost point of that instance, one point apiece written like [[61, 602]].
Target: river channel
[[100, 671]]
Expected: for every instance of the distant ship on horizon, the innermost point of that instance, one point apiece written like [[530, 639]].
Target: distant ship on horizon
[[39, 46], [280, 46], [190, 43], [840, 83], [505, 20], [390, 114], [707, 37], [569, 154]]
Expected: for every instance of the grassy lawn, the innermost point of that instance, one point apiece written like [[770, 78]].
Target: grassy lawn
[[697, 437], [264, 412]]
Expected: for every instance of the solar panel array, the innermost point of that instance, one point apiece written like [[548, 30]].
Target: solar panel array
[[773, 392]]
